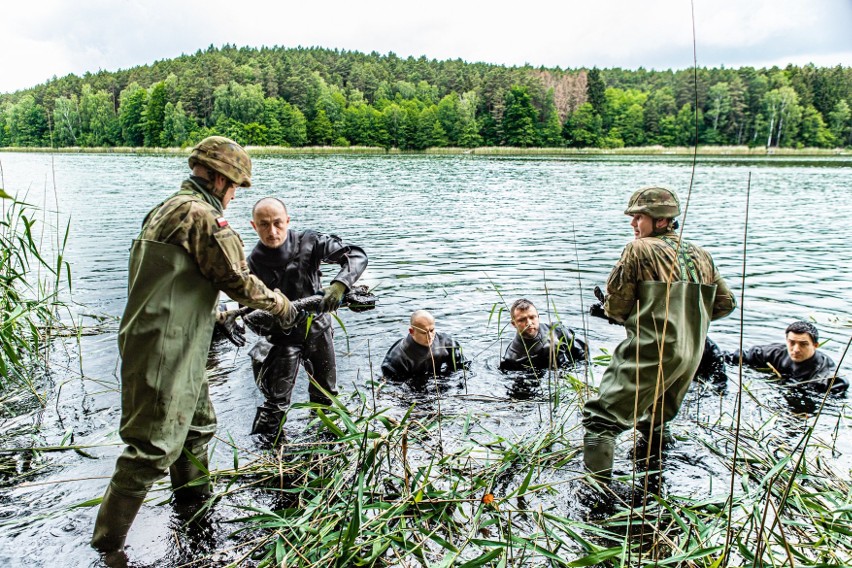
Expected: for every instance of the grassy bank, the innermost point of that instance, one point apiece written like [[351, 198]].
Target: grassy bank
[[483, 151]]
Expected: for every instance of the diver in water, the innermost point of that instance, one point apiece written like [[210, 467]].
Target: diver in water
[[796, 360], [424, 352], [538, 345]]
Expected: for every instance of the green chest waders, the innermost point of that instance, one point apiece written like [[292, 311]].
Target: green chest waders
[[164, 338], [651, 370]]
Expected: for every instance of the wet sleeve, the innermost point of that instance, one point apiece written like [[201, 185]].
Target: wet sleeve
[[352, 259], [724, 303], [621, 286], [392, 365], [218, 251], [578, 347], [824, 368], [459, 361], [754, 357]]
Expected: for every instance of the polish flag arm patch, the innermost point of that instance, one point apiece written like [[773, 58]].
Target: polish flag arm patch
[[222, 222]]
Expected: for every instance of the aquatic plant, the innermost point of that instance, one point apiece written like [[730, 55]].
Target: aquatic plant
[[30, 281]]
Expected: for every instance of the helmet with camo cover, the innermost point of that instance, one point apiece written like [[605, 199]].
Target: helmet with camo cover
[[225, 156], [655, 201]]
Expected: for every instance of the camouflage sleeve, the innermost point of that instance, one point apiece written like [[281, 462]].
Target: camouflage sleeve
[[621, 286], [218, 250], [724, 303]]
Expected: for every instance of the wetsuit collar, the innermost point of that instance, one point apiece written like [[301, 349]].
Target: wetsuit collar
[[269, 256]]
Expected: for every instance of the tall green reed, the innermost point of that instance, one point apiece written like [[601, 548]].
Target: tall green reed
[[30, 283]]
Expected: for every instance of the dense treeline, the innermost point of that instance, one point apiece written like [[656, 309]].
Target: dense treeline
[[314, 96]]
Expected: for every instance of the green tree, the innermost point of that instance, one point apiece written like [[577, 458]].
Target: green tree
[[66, 122], [320, 131], [519, 118], [840, 123], [132, 101], [154, 114], [596, 90], [449, 114], [243, 104], [583, 127], [97, 113], [176, 126], [684, 126], [27, 123], [717, 113], [625, 109], [783, 113], [658, 117], [813, 132], [549, 125], [468, 129]]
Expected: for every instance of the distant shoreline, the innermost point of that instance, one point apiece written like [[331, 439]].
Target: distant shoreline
[[736, 151]]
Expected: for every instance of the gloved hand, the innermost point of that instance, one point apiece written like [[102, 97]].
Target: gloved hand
[[228, 325], [600, 295], [332, 296], [597, 310], [291, 317]]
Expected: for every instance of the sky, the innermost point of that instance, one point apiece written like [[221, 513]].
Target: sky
[[40, 39]]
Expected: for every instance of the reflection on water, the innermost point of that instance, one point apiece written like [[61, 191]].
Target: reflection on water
[[455, 235]]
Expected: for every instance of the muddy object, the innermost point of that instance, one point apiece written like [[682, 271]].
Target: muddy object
[[358, 299]]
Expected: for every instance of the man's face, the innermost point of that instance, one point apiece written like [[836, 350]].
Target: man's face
[[270, 221], [422, 331], [800, 346], [526, 322], [643, 225]]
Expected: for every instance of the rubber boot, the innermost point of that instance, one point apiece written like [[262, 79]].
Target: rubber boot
[[651, 444], [184, 471], [115, 516], [268, 424], [597, 456]]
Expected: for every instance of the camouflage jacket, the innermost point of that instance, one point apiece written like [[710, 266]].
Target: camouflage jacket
[[652, 259], [192, 220]]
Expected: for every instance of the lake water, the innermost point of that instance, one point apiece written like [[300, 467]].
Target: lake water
[[456, 235]]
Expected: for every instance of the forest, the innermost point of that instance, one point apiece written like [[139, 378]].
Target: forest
[[296, 97]]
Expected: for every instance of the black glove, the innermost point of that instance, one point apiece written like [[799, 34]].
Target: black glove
[[597, 310], [228, 325], [600, 295]]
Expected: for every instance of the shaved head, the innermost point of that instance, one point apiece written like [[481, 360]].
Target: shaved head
[[264, 202], [270, 220]]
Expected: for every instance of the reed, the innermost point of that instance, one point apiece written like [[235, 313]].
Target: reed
[[30, 281]]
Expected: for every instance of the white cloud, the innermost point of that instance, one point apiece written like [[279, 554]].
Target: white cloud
[[54, 37]]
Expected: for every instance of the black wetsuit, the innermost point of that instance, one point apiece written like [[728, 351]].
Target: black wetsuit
[[712, 365], [524, 353], [294, 268], [816, 372], [408, 359]]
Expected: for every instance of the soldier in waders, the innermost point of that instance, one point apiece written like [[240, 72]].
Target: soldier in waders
[[665, 291], [185, 255], [291, 260]]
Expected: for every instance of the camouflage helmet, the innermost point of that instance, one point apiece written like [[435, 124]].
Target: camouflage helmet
[[655, 201], [225, 156]]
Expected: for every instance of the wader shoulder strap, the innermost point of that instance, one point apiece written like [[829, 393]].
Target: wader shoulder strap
[[687, 265]]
